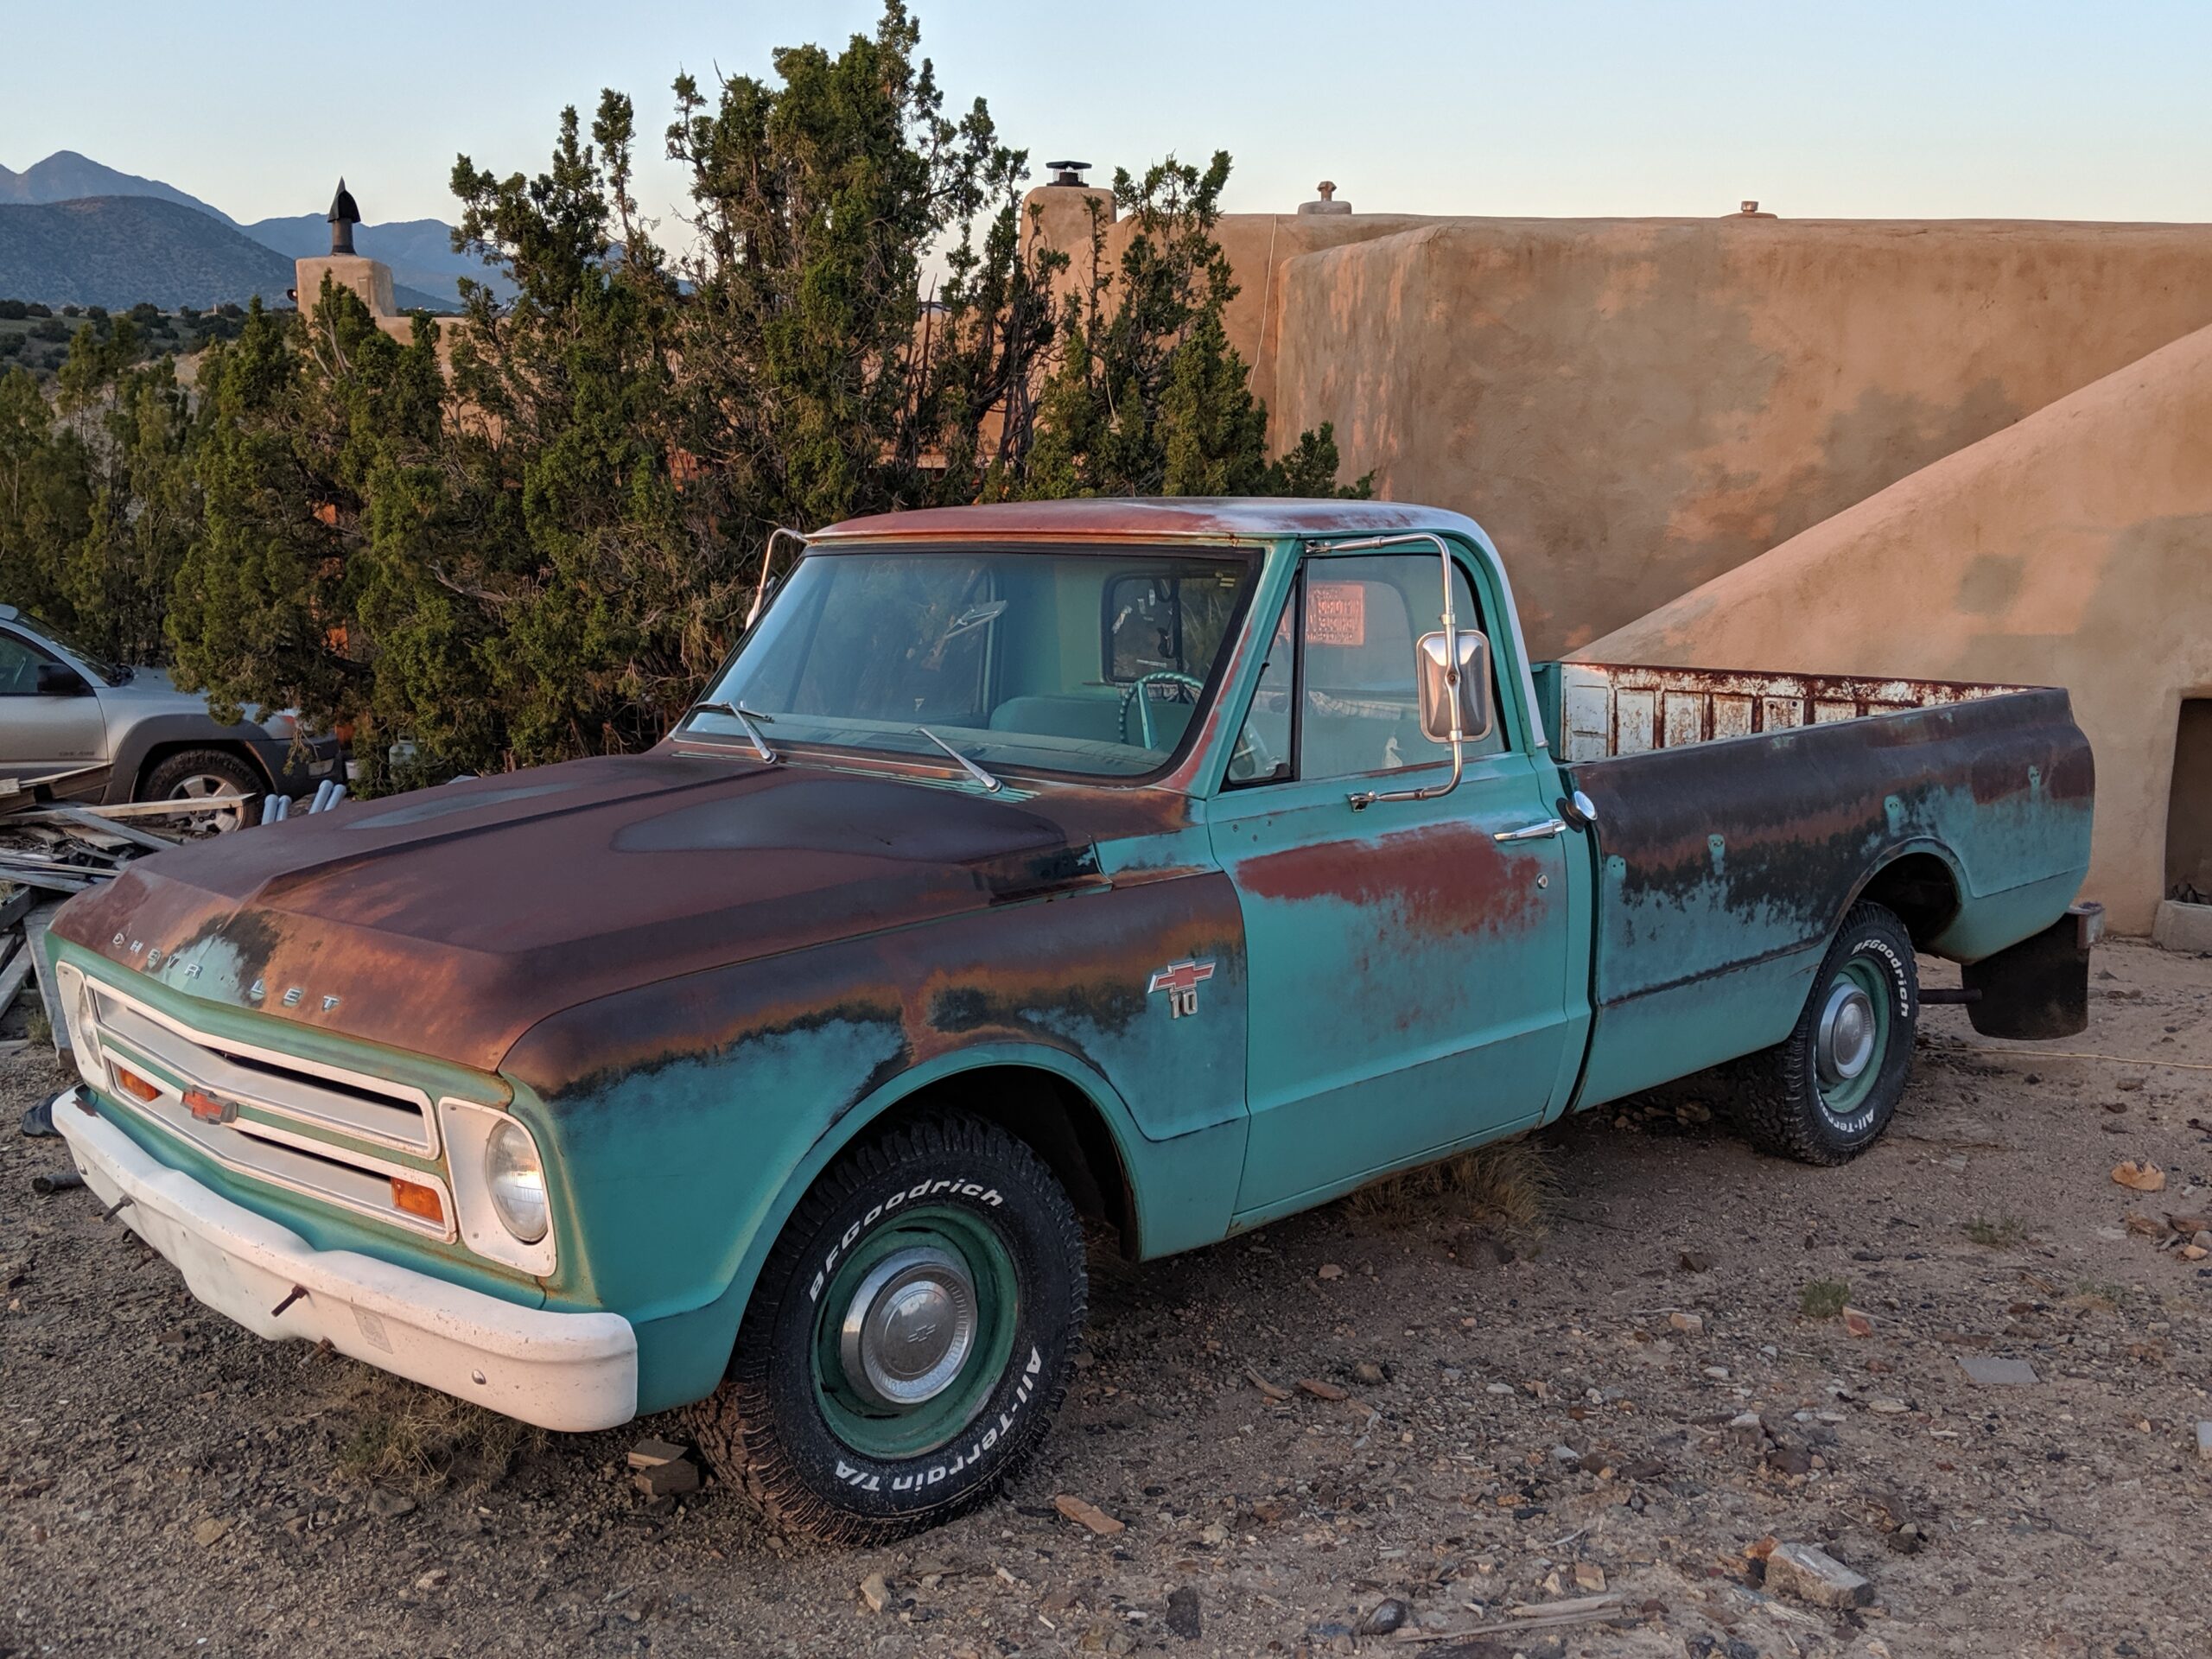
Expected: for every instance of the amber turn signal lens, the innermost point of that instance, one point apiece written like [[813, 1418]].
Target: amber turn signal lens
[[417, 1199], [134, 1086]]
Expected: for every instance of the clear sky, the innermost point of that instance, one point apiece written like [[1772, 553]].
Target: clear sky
[[1938, 108]]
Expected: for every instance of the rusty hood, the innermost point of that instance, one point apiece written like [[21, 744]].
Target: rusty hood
[[448, 921]]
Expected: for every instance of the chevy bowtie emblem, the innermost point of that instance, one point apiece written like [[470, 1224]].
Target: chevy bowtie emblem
[[208, 1108], [1180, 980]]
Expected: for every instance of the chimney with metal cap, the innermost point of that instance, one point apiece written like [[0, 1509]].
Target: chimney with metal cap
[[343, 217], [1328, 202]]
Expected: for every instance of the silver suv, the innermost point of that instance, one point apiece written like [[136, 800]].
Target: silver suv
[[93, 731]]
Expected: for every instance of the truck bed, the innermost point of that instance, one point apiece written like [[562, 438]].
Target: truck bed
[[1740, 814]]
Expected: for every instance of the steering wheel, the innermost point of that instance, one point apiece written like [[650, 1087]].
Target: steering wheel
[[1252, 758], [1134, 691]]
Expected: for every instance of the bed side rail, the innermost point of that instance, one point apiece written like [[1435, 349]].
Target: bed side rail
[[1615, 708]]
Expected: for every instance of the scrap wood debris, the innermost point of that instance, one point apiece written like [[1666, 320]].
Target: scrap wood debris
[[51, 849]]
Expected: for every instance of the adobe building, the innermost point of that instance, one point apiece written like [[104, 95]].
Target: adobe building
[[1841, 413]]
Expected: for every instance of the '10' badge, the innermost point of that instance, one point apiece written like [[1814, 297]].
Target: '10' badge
[[1182, 981]]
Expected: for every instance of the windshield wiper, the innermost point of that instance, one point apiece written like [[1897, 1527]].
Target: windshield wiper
[[743, 717], [967, 766]]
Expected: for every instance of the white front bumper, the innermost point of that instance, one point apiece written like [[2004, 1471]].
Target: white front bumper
[[559, 1370]]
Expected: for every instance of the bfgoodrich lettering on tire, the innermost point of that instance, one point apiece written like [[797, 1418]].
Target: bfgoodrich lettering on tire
[[910, 1339], [1826, 1092]]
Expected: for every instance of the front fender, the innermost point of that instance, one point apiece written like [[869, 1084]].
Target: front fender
[[1181, 1193], [686, 1117]]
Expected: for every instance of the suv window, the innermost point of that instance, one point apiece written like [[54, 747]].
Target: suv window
[[19, 666]]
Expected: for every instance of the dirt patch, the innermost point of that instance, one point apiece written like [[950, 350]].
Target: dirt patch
[[1628, 1403]]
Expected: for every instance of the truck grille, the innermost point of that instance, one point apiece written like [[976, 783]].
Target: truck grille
[[258, 1112]]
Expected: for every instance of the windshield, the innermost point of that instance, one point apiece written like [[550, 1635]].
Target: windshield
[[1096, 663]]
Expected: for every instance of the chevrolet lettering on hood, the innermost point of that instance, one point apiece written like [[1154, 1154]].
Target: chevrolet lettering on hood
[[151, 958]]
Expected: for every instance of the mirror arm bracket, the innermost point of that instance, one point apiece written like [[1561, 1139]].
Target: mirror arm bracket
[[1361, 799]]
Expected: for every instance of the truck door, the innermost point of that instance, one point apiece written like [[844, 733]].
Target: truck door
[[45, 731], [1408, 962]]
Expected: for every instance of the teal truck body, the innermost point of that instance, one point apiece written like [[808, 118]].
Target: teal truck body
[[1104, 858]]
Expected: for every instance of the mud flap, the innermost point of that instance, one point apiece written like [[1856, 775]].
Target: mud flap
[[2040, 987]]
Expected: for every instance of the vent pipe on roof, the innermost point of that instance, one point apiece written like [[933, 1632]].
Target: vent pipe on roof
[[1328, 202]]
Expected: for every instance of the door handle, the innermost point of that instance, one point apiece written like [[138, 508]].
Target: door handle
[[1544, 831]]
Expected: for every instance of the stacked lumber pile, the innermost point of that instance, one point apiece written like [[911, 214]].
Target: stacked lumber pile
[[50, 850]]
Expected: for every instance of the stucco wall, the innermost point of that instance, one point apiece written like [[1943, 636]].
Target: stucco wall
[[1633, 407], [2074, 550]]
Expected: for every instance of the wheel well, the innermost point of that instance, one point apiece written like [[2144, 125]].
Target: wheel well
[[1921, 889], [1053, 1119], [161, 752]]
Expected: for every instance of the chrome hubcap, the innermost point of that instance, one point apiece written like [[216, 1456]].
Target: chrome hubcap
[[1845, 1045], [908, 1328]]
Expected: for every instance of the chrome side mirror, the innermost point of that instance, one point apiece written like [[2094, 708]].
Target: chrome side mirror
[[1455, 700]]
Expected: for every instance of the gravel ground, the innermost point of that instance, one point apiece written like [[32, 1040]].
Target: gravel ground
[[1631, 1407]]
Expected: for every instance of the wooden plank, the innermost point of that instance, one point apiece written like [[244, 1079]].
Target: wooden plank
[[12, 977], [17, 906], [46, 881], [101, 825], [34, 926], [165, 809]]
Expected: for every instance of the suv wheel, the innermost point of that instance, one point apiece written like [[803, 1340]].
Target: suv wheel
[[910, 1339], [207, 774]]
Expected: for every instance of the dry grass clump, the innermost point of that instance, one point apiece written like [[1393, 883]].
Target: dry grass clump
[[1823, 1298], [1510, 1187], [421, 1439]]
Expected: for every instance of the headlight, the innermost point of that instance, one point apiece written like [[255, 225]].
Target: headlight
[[517, 1181], [90, 1060]]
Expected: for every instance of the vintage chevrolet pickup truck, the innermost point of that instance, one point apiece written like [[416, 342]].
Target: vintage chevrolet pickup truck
[[1032, 878]]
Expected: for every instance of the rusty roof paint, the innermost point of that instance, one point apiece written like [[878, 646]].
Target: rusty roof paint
[[1150, 518]]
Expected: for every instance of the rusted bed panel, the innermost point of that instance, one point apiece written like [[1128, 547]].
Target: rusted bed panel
[[1724, 867]]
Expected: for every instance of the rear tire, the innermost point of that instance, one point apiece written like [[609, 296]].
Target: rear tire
[[909, 1339], [1826, 1092], [207, 774]]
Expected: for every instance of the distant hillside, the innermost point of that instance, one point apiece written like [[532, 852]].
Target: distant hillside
[[117, 250], [419, 251], [67, 176]]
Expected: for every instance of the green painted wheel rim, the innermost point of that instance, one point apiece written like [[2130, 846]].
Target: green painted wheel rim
[[1842, 1097], [867, 1424]]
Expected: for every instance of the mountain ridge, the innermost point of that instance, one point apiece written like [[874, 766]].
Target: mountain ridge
[[118, 251], [425, 268], [65, 175]]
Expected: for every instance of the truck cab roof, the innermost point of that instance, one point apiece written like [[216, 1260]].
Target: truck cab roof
[[1194, 517]]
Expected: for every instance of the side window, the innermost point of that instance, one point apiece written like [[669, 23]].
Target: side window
[[18, 668], [1360, 710], [1263, 751]]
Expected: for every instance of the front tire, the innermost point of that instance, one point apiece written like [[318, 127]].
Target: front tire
[[1826, 1092], [909, 1339]]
